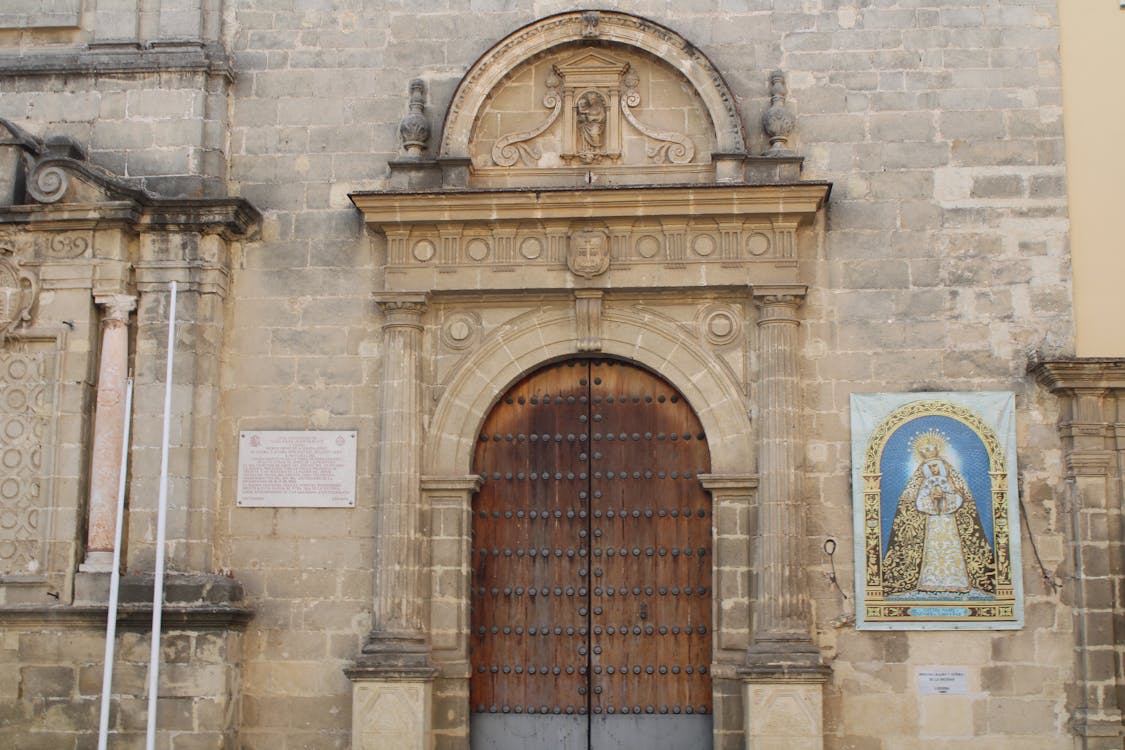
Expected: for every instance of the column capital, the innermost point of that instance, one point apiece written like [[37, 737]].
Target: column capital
[[401, 308], [117, 306], [778, 302]]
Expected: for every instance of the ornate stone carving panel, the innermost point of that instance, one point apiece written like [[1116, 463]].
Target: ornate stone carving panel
[[48, 245], [390, 714], [597, 108], [788, 717], [25, 414], [707, 236], [624, 36]]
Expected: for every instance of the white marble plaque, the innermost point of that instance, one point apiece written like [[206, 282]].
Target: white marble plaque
[[943, 682], [296, 468]]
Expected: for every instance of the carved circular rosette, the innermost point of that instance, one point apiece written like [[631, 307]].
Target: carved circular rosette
[[460, 330], [424, 251], [758, 244], [720, 325]]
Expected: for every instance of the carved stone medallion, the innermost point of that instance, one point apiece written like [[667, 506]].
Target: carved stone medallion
[[588, 253], [18, 291]]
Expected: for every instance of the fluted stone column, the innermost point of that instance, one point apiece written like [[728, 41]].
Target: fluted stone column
[[398, 613], [392, 678], [784, 673], [109, 429]]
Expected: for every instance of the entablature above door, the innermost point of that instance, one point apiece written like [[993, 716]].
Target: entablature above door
[[694, 236]]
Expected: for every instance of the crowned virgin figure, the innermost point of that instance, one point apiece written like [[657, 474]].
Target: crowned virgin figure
[[937, 544]]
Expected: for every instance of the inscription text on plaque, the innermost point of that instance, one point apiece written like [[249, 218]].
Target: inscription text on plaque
[[296, 468]]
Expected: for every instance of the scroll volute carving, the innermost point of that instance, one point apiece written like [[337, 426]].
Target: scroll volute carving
[[595, 95]]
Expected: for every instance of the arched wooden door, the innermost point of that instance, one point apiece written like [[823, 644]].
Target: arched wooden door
[[591, 565]]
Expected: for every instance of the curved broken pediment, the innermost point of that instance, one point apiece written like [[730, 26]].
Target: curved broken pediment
[[592, 97], [43, 179]]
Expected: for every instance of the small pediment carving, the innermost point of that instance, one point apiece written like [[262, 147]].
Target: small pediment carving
[[593, 108]]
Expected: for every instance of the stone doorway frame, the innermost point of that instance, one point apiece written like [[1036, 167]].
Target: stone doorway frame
[[484, 285], [481, 381], [579, 359], [417, 650]]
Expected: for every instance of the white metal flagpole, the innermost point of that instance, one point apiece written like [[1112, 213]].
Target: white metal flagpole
[[115, 577], [161, 530]]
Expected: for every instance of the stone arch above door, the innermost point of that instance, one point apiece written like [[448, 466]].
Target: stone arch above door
[[538, 339], [661, 109]]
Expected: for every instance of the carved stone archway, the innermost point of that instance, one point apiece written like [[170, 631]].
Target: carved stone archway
[[628, 335], [591, 26]]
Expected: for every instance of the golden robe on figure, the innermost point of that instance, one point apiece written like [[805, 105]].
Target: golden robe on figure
[[937, 543]]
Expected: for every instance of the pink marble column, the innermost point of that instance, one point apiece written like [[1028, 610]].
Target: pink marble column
[[109, 428]]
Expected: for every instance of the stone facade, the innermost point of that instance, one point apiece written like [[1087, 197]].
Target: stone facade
[[378, 222]]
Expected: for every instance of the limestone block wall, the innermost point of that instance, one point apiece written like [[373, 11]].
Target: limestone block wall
[[142, 84], [943, 264], [52, 696]]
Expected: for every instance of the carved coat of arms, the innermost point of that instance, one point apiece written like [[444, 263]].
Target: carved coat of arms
[[588, 253], [18, 289]]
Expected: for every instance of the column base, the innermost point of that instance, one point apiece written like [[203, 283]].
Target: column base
[[91, 586], [784, 710], [392, 708], [774, 652], [394, 651], [100, 561]]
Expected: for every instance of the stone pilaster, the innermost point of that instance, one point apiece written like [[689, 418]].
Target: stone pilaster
[[398, 633], [392, 679], [1092, 393], [781, 611], [109, 429], [447, 501], [784, 672]]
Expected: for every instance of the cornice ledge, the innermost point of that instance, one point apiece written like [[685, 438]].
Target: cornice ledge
[[174, 616], [797, 200], [1079, 372], [124, 58], [456, 483], [232, 218], [728, 482]]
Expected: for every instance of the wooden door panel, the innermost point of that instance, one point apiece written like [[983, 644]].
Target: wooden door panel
[[652, 529], [529, 552], [591, 498]]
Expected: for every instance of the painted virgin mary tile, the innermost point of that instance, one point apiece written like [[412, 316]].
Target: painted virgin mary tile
[[936, 511]]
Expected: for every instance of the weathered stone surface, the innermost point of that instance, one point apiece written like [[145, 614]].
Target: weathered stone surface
[[939, 261]]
